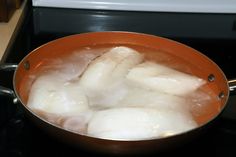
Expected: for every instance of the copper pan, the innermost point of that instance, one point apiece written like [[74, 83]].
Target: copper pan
[[200, 65]]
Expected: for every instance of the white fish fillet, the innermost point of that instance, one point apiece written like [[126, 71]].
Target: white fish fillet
[[138, 97], [71, 66], [109, 68], [102, 80], [138, 123], [160, 78], [51, 95]]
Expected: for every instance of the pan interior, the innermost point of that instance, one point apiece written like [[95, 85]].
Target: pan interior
[[154, 48]]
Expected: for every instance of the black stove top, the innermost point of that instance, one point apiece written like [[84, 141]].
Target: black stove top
[[19, 137]]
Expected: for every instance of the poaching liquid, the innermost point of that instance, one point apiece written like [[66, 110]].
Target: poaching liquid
[[203, 103]]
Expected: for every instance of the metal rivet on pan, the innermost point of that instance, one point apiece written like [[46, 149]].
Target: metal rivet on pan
[[221, 95], [15, 101], [26, 65], [211, 78]]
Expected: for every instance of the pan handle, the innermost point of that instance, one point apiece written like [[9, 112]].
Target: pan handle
[[8, 67], [7, 91], [232, 85]]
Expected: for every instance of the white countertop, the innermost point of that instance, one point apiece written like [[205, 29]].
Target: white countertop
[[8, 30], [196, 6]]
